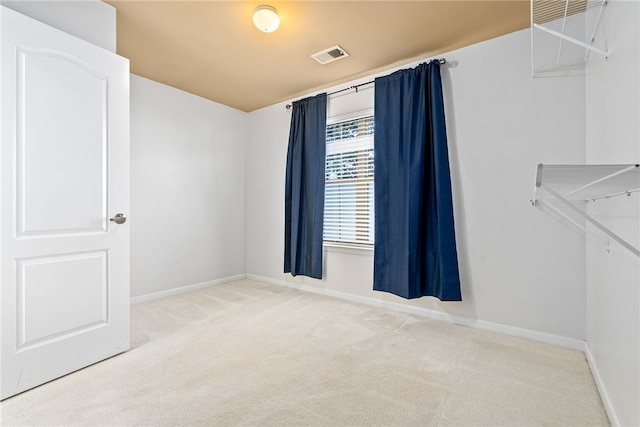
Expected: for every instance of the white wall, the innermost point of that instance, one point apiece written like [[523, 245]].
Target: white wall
[[613, 274], [187, 189], [90, 20], [519, 267]]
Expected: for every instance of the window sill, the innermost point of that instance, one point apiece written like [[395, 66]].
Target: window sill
[[347, 248]]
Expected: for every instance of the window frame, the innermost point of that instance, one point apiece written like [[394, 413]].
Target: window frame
[[348, 145]]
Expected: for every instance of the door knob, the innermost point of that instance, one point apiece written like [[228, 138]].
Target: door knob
[[119, 219]]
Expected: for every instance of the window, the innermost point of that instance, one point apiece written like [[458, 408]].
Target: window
[[348, 205]]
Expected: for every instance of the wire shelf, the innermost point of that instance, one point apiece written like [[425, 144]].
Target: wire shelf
[[567, 189], [563, 34]]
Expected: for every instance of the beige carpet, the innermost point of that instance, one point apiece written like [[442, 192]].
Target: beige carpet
[[249, 353]]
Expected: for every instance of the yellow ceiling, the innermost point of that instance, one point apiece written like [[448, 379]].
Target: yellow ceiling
[[212, 49]]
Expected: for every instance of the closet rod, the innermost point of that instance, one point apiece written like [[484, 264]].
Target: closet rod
[[288, 106]]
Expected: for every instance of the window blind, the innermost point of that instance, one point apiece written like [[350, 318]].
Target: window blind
[[348, 209]]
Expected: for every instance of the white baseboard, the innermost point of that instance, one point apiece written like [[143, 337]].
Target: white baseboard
[[182, 289], [606, 400], [543, 337]]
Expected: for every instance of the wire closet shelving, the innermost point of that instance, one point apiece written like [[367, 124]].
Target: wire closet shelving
[[567, 190], [563, 34]]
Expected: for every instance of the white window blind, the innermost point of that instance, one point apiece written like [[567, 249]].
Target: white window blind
[[348, 206]]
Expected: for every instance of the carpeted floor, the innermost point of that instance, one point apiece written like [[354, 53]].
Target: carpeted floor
[[248, 353]]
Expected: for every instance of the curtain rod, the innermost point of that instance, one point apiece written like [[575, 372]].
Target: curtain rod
[[442, 61]]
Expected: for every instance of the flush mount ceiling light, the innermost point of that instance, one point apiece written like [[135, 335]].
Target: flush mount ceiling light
[[266, 19]]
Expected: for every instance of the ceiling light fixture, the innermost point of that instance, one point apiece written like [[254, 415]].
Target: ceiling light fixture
[[266, 19]]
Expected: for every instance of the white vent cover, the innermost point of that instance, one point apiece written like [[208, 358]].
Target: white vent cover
[[329, 55]]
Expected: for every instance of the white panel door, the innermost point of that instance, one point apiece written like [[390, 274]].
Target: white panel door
[[64, 159]]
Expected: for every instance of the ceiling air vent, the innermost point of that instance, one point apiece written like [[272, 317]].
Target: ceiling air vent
[[329, 55]]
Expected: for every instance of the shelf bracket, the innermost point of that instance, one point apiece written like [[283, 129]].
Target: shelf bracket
[[571, 39], [589, 218]]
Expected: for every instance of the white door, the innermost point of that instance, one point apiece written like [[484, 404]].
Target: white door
[[64, 159]]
